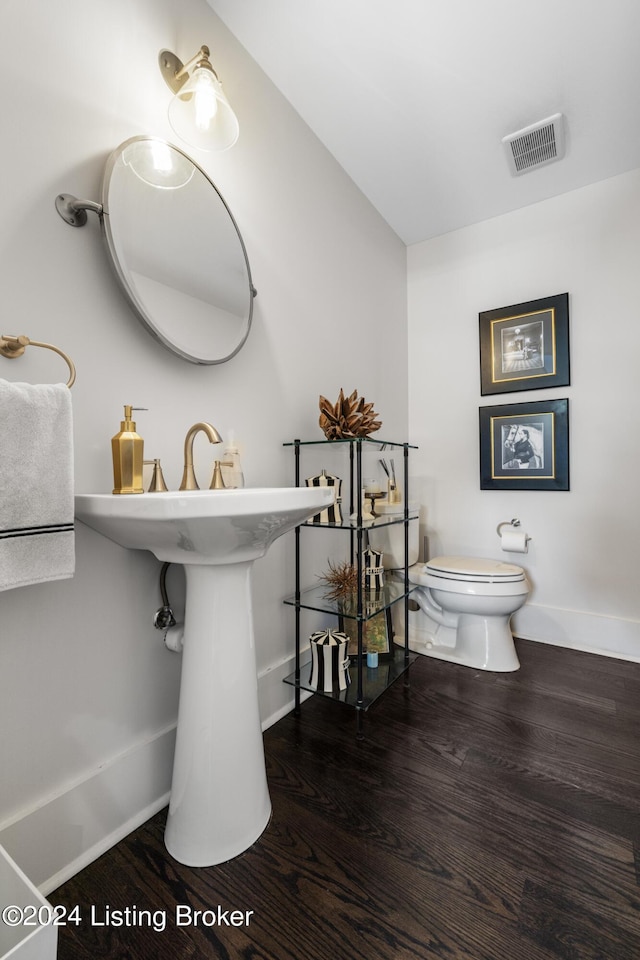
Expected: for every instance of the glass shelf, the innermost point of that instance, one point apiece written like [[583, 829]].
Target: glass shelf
[[375, 680], [382, 521], [315, 598], [370, 441]]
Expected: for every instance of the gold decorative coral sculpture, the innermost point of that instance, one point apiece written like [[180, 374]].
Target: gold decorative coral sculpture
[[349, 417]]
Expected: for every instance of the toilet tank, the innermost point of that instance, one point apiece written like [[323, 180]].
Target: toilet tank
[[390, 539]]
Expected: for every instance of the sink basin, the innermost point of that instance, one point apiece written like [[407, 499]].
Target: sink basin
[[202, 526], [220, 800]]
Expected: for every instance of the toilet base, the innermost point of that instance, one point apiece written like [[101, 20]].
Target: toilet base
[[484, 643]]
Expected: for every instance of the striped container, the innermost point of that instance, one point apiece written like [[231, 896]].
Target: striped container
[[333, 513], [373, 570], [329, 661]]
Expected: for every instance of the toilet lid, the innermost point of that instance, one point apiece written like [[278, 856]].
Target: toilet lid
[[474, 569]]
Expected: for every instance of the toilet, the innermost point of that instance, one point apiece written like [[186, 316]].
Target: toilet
[[462, 611]]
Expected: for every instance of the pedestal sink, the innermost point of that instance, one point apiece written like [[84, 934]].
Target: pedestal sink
[[219, 797]]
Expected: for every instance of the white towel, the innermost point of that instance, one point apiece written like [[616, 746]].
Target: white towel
[[36, 484]]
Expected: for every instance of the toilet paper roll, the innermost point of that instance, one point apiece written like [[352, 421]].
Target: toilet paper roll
[[513, 540]]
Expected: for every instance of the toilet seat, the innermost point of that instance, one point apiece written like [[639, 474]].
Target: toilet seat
[[474, 569]]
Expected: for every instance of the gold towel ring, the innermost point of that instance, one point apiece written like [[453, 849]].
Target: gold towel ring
[[12, 347]]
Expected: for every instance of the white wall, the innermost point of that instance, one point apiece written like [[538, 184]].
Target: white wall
[[582, 560], [88, 695]]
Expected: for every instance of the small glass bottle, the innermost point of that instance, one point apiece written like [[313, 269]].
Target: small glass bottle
[[231, 467]]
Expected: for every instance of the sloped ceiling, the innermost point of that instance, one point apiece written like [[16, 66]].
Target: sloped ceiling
[[413, 97]]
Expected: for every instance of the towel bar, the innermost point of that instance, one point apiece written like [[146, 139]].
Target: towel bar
[[12, 347]]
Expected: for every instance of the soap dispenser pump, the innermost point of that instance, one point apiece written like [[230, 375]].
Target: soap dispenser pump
[[128, 453]]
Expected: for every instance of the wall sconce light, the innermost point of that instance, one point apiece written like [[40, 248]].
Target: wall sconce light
[[199, 112]]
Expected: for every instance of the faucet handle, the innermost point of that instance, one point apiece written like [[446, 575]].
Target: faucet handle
[[157, 484], [217, 480]]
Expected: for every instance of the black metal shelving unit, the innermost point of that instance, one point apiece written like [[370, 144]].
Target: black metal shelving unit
[[367, 684]]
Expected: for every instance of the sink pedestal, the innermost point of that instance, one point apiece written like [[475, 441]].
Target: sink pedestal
[[219, 796]]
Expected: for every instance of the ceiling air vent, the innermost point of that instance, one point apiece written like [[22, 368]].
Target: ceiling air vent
[[535, 146]]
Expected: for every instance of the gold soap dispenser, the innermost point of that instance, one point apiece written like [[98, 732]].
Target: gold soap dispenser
[[128, 453]]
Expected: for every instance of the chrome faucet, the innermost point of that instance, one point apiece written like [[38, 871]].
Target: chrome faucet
[[189, 481]]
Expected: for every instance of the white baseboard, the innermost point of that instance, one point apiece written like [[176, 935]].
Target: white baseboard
[[52, 841], [276, 697], [58, 837], [600, 634], [576, 630]]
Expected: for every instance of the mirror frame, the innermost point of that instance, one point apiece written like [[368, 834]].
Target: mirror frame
[[131, 295]]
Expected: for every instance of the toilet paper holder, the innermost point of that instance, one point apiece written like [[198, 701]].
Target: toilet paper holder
[[510, 523]]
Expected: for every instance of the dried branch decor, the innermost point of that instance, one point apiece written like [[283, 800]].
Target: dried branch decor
[[348, 417]]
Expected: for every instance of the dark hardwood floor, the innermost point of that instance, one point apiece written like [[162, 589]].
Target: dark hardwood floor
[[483, 817]]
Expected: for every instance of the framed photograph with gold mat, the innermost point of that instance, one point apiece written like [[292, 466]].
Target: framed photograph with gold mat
[[525, 446], [525, 346]]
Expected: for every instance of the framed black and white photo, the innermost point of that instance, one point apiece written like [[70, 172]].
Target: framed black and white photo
[[525, 346], [525, 446]]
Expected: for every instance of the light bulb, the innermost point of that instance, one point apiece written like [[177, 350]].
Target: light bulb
[[200, 113], [205, 101]]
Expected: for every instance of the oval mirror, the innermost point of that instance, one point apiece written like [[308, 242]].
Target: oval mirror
[[176, 250]]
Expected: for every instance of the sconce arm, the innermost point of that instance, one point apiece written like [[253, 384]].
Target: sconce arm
[[74, 211], [176, 73], [197, 59]]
